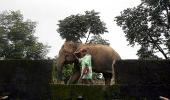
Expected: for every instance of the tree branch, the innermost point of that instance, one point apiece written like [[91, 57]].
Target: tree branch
[[158, 46], [168, 17]]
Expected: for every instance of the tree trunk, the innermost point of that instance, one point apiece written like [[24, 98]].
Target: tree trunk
[[158, 46], [87, 38]]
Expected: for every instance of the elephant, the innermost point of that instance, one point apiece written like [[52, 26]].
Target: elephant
[[103, 58]]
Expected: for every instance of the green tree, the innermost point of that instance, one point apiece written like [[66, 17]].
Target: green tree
[[97, 39], [76, 27], [144, 53], [17, 40], [94, 24], [147, 25]]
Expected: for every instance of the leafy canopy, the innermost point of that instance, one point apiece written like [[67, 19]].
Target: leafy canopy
[[76, 27], [148, 26], [97, 39], [17, 40]]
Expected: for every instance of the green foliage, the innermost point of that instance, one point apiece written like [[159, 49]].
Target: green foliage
[[75, 27], [16, 38], [97, 39], [68, 70], [147, 25], [144, 53], [95, 25]]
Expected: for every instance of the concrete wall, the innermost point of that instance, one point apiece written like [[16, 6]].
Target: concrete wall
[[25, 79], [143, 72]]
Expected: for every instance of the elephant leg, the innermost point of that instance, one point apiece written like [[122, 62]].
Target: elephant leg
[[107, 77], [74, 78]]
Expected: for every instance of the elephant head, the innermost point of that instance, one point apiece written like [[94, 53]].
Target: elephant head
[[66, 56], [81, 52]]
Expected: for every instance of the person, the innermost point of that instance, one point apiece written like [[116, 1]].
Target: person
[[86, 67]]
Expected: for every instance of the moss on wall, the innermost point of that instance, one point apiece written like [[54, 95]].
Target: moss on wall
[[114, 92], [88, 92]]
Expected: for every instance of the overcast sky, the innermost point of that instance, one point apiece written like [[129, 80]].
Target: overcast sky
[[48, 12]]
